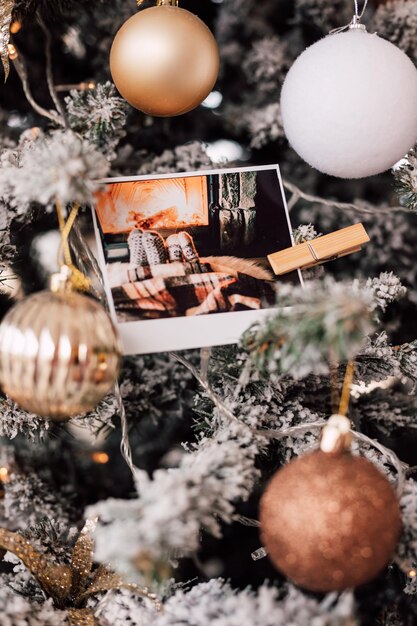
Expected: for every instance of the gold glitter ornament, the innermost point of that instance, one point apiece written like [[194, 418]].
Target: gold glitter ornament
[[59, 354], [164, 60], [70, 586], [330, 520]]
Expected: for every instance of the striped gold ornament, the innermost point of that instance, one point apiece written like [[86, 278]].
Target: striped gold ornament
[[59, 354]]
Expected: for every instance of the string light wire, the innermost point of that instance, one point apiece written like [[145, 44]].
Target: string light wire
[[299, 429]]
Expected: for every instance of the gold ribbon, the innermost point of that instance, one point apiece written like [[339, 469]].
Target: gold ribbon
[[6, 10], [80, 617], [79, 281], [70, 586], [347, 384]]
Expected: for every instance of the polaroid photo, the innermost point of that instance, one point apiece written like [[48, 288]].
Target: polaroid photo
[[184, 255]]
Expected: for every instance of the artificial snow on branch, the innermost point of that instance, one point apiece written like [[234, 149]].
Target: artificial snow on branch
[[396, 20], [205, 604], [379, 360], [191, 156], [327, 321], [386, 288], [99, 116], [304, 232], [216, 602], [265, 125], [44, 168], [15, 421], [389, 408], [266, 64], [175, 504], [405, 178], [324, 15], [407, 548]]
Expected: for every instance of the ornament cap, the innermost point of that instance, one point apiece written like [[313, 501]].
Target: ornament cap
[[356, 24], [335, 436], [61, 281], [169, 3]]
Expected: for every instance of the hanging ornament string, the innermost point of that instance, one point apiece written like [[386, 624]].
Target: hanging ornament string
[[357, 15], [355, 21], [82, 282], [78, 280], [347, 384], [334, 386], [65, 228], [86, 262]]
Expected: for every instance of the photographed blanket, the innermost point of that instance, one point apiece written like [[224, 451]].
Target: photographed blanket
[[196, 290]]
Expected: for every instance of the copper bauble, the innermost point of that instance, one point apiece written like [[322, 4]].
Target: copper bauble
[[59, 354], [330, 521], [164, 61]]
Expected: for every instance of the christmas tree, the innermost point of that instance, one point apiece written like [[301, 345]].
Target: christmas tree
[[153, 507]]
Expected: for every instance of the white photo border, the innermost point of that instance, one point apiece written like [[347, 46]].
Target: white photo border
[[184, 333]]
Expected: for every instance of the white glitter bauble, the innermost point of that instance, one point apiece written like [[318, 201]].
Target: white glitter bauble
[[349, 104]]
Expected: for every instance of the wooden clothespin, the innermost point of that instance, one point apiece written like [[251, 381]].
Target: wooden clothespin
[[319, 250]]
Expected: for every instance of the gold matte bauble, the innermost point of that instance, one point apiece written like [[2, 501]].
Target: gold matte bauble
[[330, 521], [59, 354], [164, 61]]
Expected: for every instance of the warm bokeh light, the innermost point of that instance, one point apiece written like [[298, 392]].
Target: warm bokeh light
[[13, 54], [100, 457], [83, 86], [15, 27]]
